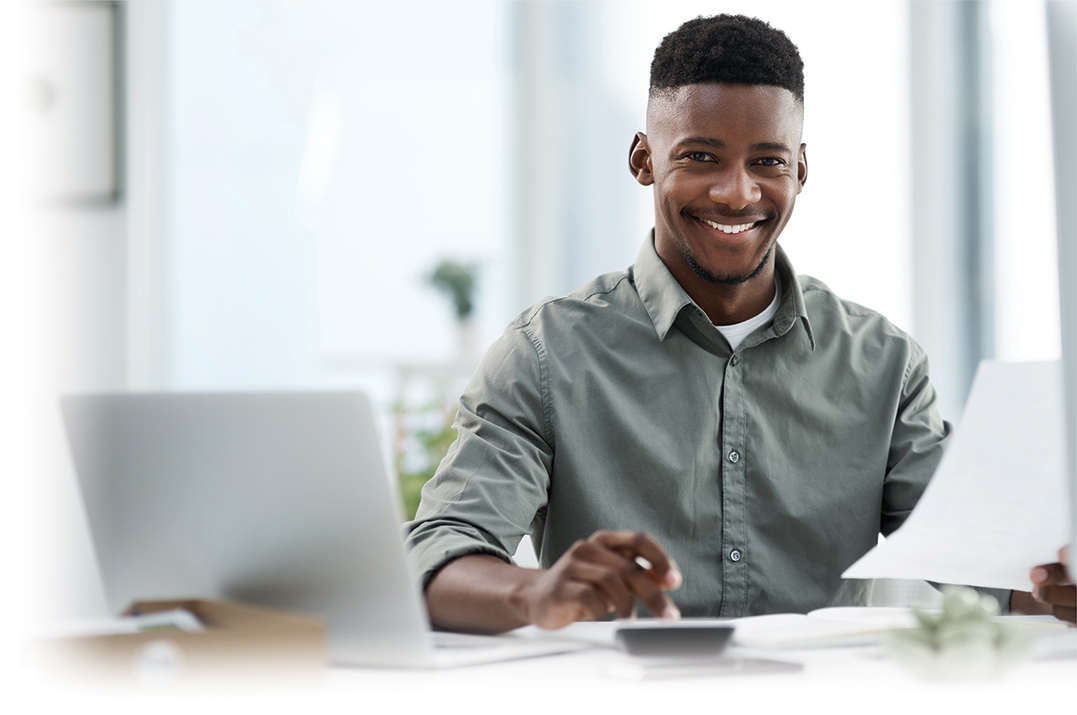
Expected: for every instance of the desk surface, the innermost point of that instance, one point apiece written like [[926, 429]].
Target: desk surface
[[840, 676], [841, 679]]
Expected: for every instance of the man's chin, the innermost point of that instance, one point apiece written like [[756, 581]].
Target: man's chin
[[727, 278]]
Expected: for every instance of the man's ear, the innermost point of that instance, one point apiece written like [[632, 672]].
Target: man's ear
[[802, 167], [639, 159]]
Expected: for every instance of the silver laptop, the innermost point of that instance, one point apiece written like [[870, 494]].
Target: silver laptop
[[274, 499]]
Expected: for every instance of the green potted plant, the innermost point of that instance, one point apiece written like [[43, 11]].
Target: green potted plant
[[459, 281]]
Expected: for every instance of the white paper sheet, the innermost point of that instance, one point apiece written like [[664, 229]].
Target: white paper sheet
[[998, 503]]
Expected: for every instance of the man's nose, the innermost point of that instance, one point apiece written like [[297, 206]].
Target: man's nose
[[736, 188]]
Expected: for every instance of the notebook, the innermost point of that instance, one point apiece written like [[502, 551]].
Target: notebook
[[274, 499]]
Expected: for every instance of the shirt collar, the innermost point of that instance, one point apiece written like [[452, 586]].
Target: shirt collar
[[664, 298], [792, 306]]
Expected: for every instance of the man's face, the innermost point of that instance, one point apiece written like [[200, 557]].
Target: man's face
[[727, 164]]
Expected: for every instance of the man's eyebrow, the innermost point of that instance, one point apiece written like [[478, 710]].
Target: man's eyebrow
[[719, 144], [708, 141], [769, 146]]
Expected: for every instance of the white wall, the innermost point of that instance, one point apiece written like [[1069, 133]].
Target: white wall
[[95, 305], [323, 157], [80, 302], [15, 331]]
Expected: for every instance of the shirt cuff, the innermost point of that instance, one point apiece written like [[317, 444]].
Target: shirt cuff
[[1002, 595], [430, 550]]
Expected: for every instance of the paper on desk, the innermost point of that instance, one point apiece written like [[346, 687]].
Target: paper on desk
[[996, 505], [796, 630]]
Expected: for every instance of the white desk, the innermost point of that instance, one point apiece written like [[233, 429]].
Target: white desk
[[841, 680], [850, 679]]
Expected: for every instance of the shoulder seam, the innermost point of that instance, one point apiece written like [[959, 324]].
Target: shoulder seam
[[544, 387], [914, 353], [542, 305], [862, 311]]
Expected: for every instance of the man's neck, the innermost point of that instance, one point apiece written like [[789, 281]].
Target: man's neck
[[730, 304]]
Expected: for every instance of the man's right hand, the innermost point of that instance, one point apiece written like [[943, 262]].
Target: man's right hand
[[604, 574]]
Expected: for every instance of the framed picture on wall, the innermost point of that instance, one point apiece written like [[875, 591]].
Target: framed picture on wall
[[71, 93]]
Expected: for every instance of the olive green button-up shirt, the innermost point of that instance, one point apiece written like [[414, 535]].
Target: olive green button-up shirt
[[765, 472]]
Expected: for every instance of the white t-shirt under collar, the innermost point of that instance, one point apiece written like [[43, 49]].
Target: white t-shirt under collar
[[736, 333]]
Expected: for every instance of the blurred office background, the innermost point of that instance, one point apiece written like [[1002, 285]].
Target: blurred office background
[[252, 195]]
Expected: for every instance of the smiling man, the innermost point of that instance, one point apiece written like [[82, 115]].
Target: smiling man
[[706, 432], [727, 164]]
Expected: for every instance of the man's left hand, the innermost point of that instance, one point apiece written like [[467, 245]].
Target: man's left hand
[[1053, 591]]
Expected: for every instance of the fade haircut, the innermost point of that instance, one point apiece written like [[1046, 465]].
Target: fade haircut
[[727, 48]]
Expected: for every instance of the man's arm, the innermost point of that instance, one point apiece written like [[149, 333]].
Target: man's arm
[[596, 577]]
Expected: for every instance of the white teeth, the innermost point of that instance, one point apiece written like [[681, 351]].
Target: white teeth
[[729, 229]]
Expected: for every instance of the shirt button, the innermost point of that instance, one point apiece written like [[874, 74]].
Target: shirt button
[[735, 360], [734, 555], [734, 456]]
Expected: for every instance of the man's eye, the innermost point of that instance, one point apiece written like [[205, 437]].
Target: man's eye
[[771, 161], [697, 156]]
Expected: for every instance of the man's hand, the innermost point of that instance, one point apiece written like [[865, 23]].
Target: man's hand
[[602, 575], [1054, 588], [1053, 592]]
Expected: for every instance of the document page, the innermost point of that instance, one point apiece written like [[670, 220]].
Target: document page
[[998, 502]]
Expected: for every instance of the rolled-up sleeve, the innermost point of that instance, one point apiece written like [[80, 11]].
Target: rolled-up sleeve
[[494, 481], [919, 438]]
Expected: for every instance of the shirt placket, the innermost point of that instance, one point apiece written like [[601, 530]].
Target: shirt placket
[[735, 551]]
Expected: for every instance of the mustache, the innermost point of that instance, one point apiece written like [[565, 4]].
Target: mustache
[[687, 212]]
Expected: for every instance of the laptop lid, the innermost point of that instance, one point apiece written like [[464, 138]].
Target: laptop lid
[[275, 499]]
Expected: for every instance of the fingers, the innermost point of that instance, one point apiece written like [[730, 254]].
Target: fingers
[[606, 573], [611, 589], [646, 588], [622, 578], [1054, 588], [591, 603], [1063, 596], [1050, 574], [633, 578], [634, 544]]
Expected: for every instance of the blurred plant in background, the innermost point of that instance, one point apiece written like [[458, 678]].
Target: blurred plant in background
[[458, 280], [423, 436]]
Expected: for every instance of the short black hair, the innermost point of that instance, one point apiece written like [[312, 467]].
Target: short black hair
[[727, 48]]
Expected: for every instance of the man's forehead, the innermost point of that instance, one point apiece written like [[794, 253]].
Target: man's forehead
[[689, 101]]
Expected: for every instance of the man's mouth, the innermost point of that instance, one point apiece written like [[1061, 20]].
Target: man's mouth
[[730, 228]]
